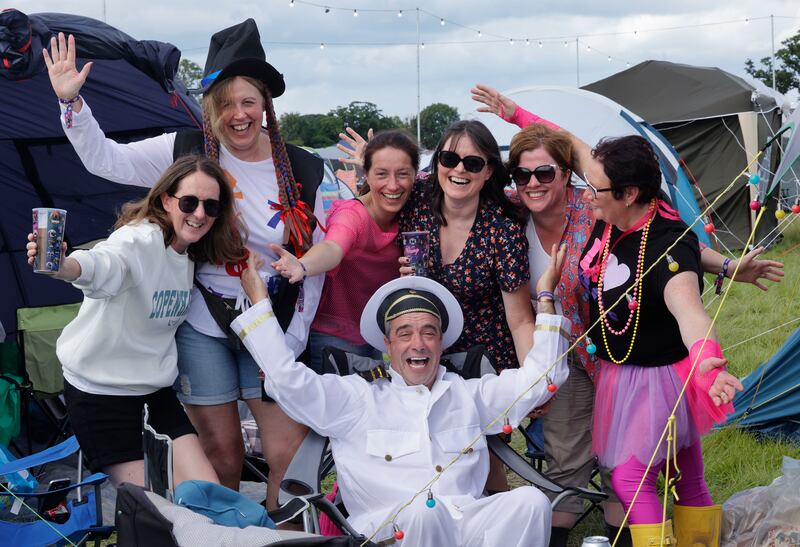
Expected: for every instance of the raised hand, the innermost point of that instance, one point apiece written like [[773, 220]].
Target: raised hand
[[496, 102], [356, 146], [752, 270], [65, 78], [252, 283], [552, 275], [288, 265]]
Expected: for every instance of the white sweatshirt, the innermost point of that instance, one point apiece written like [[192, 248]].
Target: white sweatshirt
[[136, 293], [255, 186]]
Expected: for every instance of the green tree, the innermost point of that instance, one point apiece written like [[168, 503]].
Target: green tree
[[315, 130], [189, 73], [362, 115], [787, 66], [434, 119]]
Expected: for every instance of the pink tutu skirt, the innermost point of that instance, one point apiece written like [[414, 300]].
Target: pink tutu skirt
[[632, 405]]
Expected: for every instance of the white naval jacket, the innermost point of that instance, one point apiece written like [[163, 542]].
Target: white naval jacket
[[388, 438]]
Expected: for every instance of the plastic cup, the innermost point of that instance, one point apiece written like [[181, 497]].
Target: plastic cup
[[48, 232], [415, 248]]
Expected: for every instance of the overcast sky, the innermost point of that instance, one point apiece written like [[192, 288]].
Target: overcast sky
[[384, 69]]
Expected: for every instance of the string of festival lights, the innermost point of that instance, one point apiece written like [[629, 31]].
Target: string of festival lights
[[576, 41]]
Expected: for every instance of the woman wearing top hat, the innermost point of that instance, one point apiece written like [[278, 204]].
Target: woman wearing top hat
[[266, 176]]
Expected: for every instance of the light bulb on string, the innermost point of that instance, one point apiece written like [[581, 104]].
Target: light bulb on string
[[322, 46], [627, 65], [480, 34], [527, 42], [609, 58], [355, 13], [635, 33], [291, 3], [566, 44], [511, 41], [441, 22], [747, 21], [400, 13], [422, 45], [540, 43], [588, 47]]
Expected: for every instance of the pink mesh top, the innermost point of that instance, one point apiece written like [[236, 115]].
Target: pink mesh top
[[370, 260]]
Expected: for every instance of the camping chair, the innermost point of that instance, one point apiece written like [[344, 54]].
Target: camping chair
[[150, 514], [37, 332], [313, 461], [157, 449], [34, 523]]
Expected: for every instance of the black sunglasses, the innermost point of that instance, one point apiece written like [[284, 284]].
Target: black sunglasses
[[473, 164], [544, 173], [188, 204]]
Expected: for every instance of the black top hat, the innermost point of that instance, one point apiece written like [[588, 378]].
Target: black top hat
[[237, 51]]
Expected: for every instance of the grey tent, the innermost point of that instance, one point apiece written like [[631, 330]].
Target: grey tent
[[717, 122]]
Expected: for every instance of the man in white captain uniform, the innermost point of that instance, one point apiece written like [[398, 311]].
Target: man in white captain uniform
[[390, 438]]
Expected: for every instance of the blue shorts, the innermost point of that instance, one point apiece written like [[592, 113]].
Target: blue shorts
[[211, 372]]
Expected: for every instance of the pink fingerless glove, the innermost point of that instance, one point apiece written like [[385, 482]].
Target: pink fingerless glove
[[706, 414], [522, 118]]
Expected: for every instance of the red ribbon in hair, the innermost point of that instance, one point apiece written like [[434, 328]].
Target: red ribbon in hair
[[295, 218]]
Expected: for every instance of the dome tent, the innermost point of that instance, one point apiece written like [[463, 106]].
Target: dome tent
[[133, 95], [716, 121]]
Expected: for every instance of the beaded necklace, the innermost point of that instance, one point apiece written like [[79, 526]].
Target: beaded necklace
[[634, 304]]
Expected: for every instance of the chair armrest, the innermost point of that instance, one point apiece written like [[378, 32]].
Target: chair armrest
[[326, 506], [57, 452], [93, 480], [303, 471], [520, 466]]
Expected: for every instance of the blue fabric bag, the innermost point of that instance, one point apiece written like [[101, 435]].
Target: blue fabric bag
[[221, 504]]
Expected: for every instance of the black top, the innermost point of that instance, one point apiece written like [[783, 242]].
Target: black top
[[658, 339]]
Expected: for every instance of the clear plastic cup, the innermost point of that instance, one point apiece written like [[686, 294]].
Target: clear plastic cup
[[48, 232]]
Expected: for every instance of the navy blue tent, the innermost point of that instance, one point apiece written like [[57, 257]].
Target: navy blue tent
[[133, 96], [770, 402]]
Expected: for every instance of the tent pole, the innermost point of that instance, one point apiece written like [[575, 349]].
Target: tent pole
[[578, 61], [419, 140], [772, 27]]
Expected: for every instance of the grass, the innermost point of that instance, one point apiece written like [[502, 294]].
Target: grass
[[735, 460]]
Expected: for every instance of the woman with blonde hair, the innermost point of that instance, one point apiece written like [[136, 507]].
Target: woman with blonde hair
[[273, 185]]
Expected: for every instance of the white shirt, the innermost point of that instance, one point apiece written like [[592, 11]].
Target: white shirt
[[136, 293], [538, 259], [387, 437], [255, 185]]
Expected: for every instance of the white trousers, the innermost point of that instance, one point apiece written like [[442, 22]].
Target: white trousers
[[520, 517]]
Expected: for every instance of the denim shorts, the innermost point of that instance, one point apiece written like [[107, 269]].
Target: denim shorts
[[211, 372], [317, 341]]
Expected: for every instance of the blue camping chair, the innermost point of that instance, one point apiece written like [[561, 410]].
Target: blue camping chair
[[29, 527]]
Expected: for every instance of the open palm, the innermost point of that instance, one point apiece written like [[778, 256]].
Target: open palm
[[65, 78]]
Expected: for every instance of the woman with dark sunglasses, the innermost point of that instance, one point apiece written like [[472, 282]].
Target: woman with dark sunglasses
[[119, 353], [559, 211]]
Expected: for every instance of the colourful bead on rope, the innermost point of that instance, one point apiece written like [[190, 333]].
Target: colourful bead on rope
[[637, 292]]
